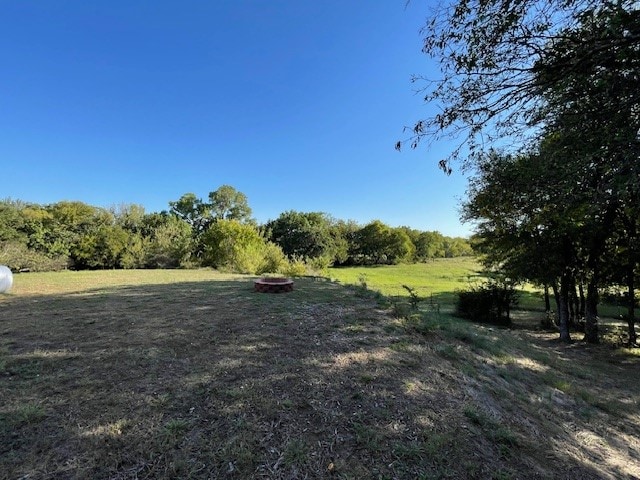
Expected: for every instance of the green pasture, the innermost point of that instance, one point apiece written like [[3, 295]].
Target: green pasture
[[438, 279]]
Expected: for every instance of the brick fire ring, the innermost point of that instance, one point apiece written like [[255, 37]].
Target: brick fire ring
[[273, 285]]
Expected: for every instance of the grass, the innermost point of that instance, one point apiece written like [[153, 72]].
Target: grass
[[434, 282], [70, 282], [190, 374], [437, 279]]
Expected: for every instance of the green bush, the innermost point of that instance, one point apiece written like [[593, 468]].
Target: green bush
[[238, 247], [320, 264], [295, 268], [488, 303], [273, 259], [233, 246], [18, 257], [170, 244]]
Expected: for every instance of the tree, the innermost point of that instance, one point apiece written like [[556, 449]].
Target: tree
[[239, 247], [54, 229], [377, 243], [306, 235], [226, 203], [429, 245], [589, 80], [129, 216], [135, 251], [344, 234], [193, 211], [527, 227], [457, 247], [170, 241], [623, 267], [488, 52], [11, 221], [102, 248], [569, 68], [77, 217], [544, 217]]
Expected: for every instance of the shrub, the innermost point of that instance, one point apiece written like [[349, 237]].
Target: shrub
[[488, 303], [414, 298], [18, 256], [320, 264], [273, 259], [238, 247], [170, 245], [295, 268]]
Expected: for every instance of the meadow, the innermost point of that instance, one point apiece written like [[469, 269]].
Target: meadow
[[163, 374], [440, 279], [437, 280]]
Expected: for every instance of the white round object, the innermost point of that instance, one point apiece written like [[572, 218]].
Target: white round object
[[6, 279]]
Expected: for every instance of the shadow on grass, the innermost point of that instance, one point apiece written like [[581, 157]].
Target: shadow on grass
[[213, 380]]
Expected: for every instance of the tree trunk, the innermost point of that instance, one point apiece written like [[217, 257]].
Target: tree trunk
[[563, 308], [507, 304], [556, 296], [583, 302], [573, 321], [631, 307], [547, 321], [591, 313], [575, 299], [547, 300]]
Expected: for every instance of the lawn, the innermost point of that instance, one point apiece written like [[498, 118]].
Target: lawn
[[190, 374]]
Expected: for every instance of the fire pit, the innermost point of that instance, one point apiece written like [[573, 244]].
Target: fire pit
[[273, 285]]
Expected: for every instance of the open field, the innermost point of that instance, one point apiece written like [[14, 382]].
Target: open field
[[439, 278], [190, 374]]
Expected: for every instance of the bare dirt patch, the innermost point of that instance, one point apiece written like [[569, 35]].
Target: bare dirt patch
[[209, 379]]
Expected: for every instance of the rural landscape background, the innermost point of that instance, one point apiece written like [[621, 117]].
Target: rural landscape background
[[217, 231], [365, 370], [133, 343]]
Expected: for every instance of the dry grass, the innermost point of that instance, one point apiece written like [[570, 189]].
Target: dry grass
[[132, 375]]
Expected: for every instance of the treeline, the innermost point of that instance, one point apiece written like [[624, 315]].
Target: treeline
[[218, 232]]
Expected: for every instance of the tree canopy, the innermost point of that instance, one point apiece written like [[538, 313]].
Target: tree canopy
[[560, 206], [218, 233], [490, 54]]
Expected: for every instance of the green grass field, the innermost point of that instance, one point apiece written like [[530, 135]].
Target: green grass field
[[435, 281], [440, 278], [191, 374]]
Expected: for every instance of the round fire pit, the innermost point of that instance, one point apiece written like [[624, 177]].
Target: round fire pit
[[273, 285]]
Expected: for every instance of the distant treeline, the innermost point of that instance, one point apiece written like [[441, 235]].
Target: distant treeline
[[218, 232]]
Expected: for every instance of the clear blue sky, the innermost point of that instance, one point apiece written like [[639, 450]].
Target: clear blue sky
[[296, 103]]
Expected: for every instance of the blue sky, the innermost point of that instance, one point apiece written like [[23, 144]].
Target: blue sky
[[297, 104]]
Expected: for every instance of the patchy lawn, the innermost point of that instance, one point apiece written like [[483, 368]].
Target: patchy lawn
[[133, 376]]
